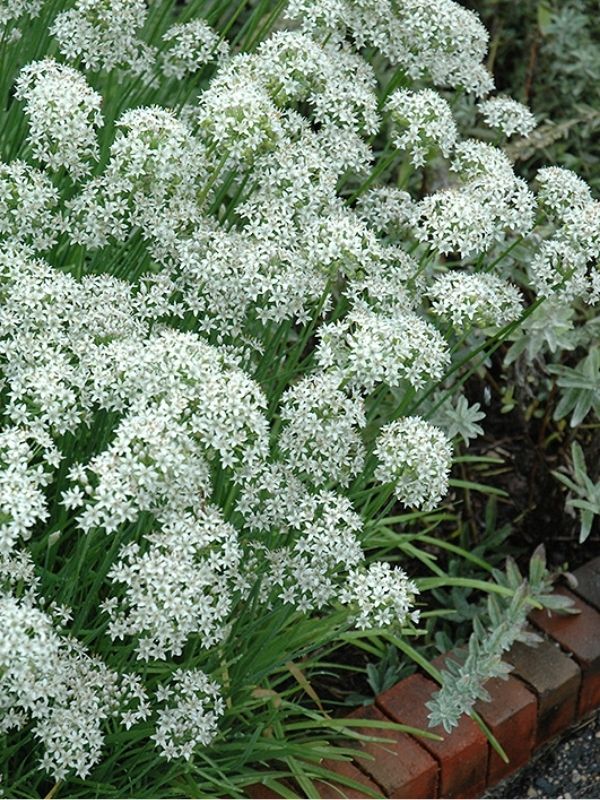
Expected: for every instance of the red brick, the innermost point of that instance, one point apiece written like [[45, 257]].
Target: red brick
[[400, 766], [588, 582], [555, 678], [462, 755], [346, 769], [579, 634], [511, 715]]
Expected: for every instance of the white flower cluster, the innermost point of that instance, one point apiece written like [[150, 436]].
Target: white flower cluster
[[13, 10], [454, 221], [157, 459], [396, 285], [381, 596], [560, 191], [337, 84], [274, 499], [192, 706], [507, 115], [191, 45], [480, 299], [488, 203], [182, 583], [236, 115], [434, 38], [321, 436], [567, 261], [104, 35], [444, 40], [63, 113], [153, 460], [53, 330], [15, 567], [188, 406], [312, 573], [155, 172], [385, 208], [425, 121], [28, 201], [67, 693], [415, 457], [241, 111], [368, 347], [297, 233], [22, 500]]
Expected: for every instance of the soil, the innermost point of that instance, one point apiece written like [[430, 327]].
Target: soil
[[532, 445]]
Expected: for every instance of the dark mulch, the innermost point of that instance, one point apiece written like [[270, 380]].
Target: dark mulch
[[568, 767], [532, 445]]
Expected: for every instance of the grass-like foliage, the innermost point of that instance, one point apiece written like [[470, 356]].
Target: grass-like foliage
[[249, 259]]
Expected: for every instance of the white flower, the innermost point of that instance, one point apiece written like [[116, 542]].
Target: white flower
[[14, 9], [104, 35], [63, 113], [488, 203], [183, 583], [187, 405], [453, 221], [67, 694], [380, 596], [228, 218], [337, 84], [153, 180], [473, 159], [415, 457], [53, 329], [566, 263], [385, 208], [73, 498], [389, 347], [192, 707], [28, 201], [481, 299], [559, 268], [582, 230], [272, 497], [561, 191], [508, 115], [18, 566], [321, 434], [425, 123], [237, 116], [394, 284], [22, 500], [340, 243], [435, 38], [191, 45], [311, 572]]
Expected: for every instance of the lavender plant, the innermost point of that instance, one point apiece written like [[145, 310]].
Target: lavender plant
[[227, 303]]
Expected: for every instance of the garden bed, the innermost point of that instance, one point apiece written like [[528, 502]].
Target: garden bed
[[551, 688]]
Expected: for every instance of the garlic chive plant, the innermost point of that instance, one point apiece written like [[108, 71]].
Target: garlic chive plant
[[231, 285]]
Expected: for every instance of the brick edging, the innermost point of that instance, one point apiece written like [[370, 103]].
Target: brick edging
[[551, 686]]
